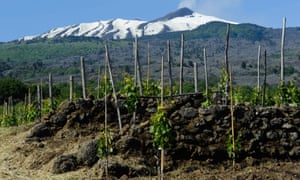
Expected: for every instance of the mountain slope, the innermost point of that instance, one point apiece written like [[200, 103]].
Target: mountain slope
[[183, 19]]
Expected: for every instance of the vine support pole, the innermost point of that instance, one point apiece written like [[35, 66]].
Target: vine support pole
[[38, 91], [162, 153], [98, 80], [162, 104], [226, 64], [169, 67], [29, 97], [113, 86], [205, 73], [148, 66], [41, 99], [71, 82], [258, 69], [282, 52], [265, 79], [232, 120], [83, 79], [162, 82], [181, 65], [138, 68], [105, 116], [5, 108], [50, 91], [196, 77]]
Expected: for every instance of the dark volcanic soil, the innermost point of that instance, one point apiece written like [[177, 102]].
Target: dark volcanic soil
[[62, 145]]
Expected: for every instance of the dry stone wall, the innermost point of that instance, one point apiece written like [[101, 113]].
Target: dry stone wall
[[199, 134]]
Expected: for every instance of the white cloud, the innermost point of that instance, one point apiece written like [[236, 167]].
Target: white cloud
[[221, 8], [188, 3]]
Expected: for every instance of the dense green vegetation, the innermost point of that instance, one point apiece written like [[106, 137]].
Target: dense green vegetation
[[218, 30], [20, 112], [12, 87], [41, 49], [24, 64], [33, 60]]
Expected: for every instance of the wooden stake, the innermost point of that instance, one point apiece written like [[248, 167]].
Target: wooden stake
[[50, 91], [83, 79], [181, 65], [113, 86], [5, 108], [71, 81], [162, 81], [282, 51], [265, 80], [226, 64], [205, 73], [10, 105], [105, 117], [39, 100], [196, 77], [25, 102], [169, 67], [29, 97], [135, 54], [232, 120], [98, 81], [162, 152], [148, 67], [258, 70], [137, 68]]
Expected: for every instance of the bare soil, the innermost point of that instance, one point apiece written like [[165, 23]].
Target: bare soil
[[21, 160]]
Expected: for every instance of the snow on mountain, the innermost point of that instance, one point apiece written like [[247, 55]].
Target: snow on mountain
[[183, 19]]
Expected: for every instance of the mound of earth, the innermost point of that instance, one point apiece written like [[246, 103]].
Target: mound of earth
[[64, 144]]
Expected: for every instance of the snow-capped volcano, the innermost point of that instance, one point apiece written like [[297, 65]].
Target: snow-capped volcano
[[183, 19]]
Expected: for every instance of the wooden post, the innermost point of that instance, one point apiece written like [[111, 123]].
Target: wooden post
[[25, 102], [71, 82], [50, 91], [258, 93], [232, 120], [265, 79], [181, 65], [29, 97], [39, 100], [105, 116], [195, 77], [113, 86], [162, 104], [98, 81], [169, 67], [11, 105], [226, 64], [282, 52], [162, 82], [205, 73], [139, 74], [258, 70], [135, 54], [82, 67], [162, 154], [148, 67], [5, 108]]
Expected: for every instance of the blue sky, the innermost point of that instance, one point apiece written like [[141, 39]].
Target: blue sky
[[19, 18]]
